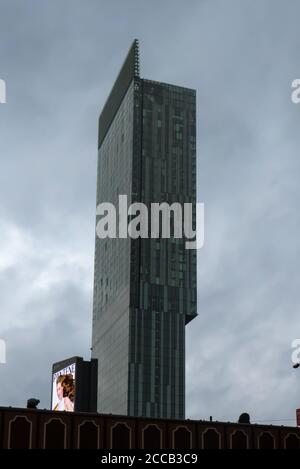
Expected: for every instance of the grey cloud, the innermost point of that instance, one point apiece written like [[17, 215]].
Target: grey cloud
[[59, 61]]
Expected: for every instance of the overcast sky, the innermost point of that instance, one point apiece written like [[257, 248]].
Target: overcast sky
[[59, 61]]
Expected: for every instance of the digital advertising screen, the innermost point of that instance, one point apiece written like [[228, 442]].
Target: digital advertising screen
[[63, 389]]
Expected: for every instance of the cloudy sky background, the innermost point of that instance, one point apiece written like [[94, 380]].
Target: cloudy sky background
[[59, 61]]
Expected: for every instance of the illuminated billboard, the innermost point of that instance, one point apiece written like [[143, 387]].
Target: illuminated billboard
[[74, 385], [64, 388]]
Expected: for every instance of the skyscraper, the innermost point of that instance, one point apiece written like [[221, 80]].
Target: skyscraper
[[144, 289]]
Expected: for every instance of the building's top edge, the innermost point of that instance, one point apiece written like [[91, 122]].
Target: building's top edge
[[134, 49], [135, 68], [129, 70], [132, 61], [169, 85]]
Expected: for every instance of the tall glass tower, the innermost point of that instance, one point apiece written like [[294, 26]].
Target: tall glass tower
[[144, 289]]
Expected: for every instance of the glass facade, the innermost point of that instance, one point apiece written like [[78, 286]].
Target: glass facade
[[145, 289], [112, 267]]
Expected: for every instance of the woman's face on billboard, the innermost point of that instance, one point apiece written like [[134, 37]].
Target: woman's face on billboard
[[59, 391]]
